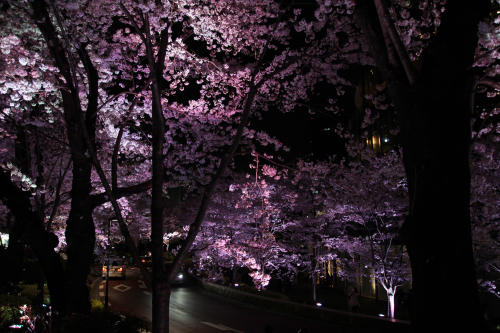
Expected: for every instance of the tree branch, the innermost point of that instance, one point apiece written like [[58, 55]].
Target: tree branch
[[101, 198], [132, 21], [114, 158], [489, 83], [389, 28], [57, 198]]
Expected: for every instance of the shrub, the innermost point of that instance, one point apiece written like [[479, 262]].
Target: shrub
[[101, 322], [9, 308], [265, 293], [30, 290], [96, 305]]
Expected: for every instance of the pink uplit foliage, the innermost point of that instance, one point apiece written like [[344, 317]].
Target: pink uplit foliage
[[365, 204], [80, 110], [484, 205], [247, 238]]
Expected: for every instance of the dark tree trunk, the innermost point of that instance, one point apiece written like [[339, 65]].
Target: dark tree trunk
[[234, 275], [435, 118], [80, 230], [314, 263], [37, 238], [14, 258], [161, 304]]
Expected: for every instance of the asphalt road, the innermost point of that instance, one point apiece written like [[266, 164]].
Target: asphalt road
[[193, 310]]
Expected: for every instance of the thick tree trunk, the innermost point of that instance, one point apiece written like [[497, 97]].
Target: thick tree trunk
[[39, 240], [161, 303], [435, 118], [80, 230], [436, 133], [14, 256]]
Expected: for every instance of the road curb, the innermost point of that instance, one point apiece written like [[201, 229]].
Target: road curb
[[94, 290]]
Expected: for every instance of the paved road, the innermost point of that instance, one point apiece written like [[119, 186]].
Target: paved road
[[193, 310]]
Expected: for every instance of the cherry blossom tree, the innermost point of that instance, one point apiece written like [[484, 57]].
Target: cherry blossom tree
[[263, 65], [108, 72], [110, 76], [309, 232], [372, 212], [484, 189], [434, 107], [248, 237], [361, 206]]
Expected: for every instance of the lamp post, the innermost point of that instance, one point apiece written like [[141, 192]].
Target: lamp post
[[107, 269]]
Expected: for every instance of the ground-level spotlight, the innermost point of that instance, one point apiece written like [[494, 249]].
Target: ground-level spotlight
[[319, 304], [381, 315]]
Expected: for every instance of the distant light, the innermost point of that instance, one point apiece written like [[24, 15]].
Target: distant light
[[386, 140], [236, 285], [366, 266], [180, 276], [319, 304], [16, 326], [381, 315]]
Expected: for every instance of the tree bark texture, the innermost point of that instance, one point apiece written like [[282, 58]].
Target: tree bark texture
[[80, 231], [435, 115]]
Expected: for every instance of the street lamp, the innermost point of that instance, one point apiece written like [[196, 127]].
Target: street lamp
[[106, 298]]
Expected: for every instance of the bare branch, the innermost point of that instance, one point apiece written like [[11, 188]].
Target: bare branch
[[57, 199], [118, 95], [101, 198], [489, 83], [391, 51]]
